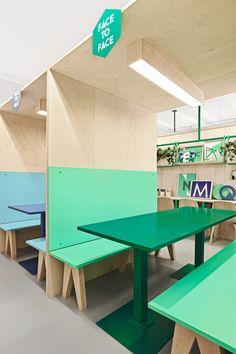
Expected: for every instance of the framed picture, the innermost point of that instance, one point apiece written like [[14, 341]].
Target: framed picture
[[224, 192], [201, 189], [191, 154], [213, 151], [184, 183]]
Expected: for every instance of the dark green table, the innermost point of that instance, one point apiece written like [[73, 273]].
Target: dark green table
[[133, 325]]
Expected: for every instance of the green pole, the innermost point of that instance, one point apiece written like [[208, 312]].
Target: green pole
[[199, 123]]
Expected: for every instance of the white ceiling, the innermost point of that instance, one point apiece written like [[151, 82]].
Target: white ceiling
[[35, 34], [220, 110]]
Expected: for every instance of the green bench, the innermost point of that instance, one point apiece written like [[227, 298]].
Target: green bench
[[10, 229], [76, 257], [40, 245], [203, 305]]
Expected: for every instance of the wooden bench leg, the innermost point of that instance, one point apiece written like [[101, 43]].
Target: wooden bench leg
[[67, 281], [2, 241], [183, 340], [79, 283], [171, 250], [207, 347], [212, 234], [54, 276], [156, 253], [123, 260], [12, 239], [41, 274], [7, 243]]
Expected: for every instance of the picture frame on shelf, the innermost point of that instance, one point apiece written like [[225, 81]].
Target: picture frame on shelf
[[201, 189], [184, 183], [191, 154], [214, 151]]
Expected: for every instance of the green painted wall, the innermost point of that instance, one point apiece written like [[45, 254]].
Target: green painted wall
[[80, 196]]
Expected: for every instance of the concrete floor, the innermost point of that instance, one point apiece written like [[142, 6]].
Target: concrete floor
[[30, 323]]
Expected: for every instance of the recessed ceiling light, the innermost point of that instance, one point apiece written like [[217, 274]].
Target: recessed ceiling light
[[41, 108]]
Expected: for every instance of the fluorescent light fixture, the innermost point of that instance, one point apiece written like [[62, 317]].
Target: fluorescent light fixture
[[41, 108], [145, 60], [150, 73]]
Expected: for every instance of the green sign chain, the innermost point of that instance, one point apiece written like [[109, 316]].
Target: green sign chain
[[107, 32]]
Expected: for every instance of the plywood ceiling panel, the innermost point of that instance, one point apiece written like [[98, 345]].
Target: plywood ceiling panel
[[198, 36]]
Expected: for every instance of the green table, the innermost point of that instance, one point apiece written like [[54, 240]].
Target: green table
[[205, 300], [140, 330]]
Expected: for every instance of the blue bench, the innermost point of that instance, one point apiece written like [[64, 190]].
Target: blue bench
[[40, 245], [17, 188], [10, 230], [76, 257]]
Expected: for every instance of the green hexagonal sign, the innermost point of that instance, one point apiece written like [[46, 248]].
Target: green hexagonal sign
[[107, 32]]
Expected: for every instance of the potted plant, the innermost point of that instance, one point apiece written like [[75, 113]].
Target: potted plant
[[166, 156], [229, 150]]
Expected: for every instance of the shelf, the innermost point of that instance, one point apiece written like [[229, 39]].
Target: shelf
[[196, 163], [201, 163]]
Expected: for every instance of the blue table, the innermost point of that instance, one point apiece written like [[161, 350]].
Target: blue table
[[31, 209]]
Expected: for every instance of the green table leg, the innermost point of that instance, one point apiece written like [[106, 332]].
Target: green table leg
[[199, 258], [135, 326], [176, 203], [199, 249], [140, 302]]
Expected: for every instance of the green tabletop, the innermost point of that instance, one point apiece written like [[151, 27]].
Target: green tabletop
[[139, 329], [152, 231], [205, 300]]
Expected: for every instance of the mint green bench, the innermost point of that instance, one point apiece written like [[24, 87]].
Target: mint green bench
[[76, 257], [10, 229], [203, 305], [40, 245]]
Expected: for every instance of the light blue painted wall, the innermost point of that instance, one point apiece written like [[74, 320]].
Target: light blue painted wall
[[20, 188]]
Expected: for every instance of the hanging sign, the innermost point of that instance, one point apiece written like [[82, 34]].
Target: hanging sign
[[16, 99], [107, 32]]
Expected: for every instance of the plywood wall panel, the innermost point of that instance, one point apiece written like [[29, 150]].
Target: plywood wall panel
[[124, 134], [89, 128], [70, 122], [22, 143]]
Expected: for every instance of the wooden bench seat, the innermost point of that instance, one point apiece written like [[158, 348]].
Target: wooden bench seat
[[40, 245], [203, 305], [10, 229], [76, 257]]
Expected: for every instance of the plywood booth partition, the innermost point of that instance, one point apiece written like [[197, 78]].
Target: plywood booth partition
[[22, 169], [101, 157]]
